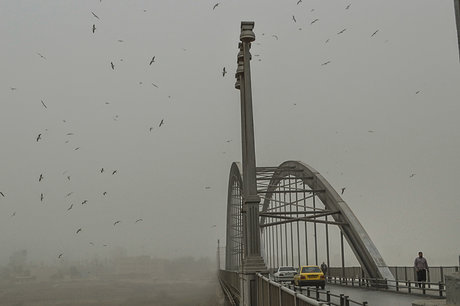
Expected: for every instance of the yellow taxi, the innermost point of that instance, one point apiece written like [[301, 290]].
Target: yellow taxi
[[310, 276]]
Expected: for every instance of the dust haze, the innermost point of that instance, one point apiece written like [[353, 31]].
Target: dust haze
[[118, 128], [114, 280]]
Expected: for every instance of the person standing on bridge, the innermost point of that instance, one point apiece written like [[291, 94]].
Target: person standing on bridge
[[421, 266], [324, 268]]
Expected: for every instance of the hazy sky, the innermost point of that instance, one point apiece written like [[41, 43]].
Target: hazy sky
[[304, 111]]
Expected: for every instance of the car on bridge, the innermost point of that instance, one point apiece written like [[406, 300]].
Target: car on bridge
[[310, 276], [284, 274]]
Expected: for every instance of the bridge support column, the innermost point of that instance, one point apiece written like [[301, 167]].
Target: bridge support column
[[252, 261]]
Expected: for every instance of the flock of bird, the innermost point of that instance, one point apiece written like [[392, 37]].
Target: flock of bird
[[224, 71]]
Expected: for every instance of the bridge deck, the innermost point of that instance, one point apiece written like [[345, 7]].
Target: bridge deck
[[374, 297]]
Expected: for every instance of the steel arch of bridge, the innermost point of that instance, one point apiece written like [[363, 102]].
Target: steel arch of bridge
[[293, 171]]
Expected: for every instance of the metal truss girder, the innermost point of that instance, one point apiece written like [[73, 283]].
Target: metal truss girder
[[301, 219], [309, 212], [269, 178], [291, 191], [358, 239]]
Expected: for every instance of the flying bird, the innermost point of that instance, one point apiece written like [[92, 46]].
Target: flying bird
[[341, 31], [325, 63], [293, 18], [2, 194], [215, 5], [68, 177], [84, 202], [78, 230], [224, 72], [69, 134], [13, 214], [116, 222], [41, 56], [113, 66], [114, 171], [314, 21], [60, 255], [298, 2], [77, 148], [40, 178], [343, 190], [207, 187], [161, 123], [95, 15], [276, 36], [348, 6], [69, 194], [39, 137], [71, 205], [13, 88], [94, 28], [417, 92], [412, 175], [104, 193], [92, 243], [152, 61], [150, 129], [371, 131], [213, 226], [327, 40], [41, 197], [139, 220], [374, 33], [102, 170], [155, 85]]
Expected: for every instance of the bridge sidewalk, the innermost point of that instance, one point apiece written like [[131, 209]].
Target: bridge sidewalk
[[376, 297]]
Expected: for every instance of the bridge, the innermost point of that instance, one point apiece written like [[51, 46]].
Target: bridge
[[290, 215]]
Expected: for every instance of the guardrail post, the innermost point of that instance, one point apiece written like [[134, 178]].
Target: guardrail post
[[269, 294], [308, 291], [328, 296], [317, 294], [440, 288], [408, 284], [347, 300], [342, 300], [352, 281], [429, 278], [280, 299], [397, 285], [423, 290], [365, 303]]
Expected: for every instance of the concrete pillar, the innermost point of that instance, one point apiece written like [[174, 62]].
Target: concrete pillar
[[252, 261]]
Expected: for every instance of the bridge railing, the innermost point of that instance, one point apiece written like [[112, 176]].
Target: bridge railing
[[411, 287], [231, 280], [401, 273]]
